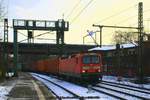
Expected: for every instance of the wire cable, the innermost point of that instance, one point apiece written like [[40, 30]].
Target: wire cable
[[45, 39], [147, 10], [131, 17], [73, 9], [116, 14], [81, 11], [35, 36], [22, 34], [7, 9]]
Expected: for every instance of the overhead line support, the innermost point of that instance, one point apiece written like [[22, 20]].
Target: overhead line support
[[140, 41], [5, 47], [101, 26], [59, 26]]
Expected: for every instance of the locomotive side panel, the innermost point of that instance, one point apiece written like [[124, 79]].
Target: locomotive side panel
[[69, 67]]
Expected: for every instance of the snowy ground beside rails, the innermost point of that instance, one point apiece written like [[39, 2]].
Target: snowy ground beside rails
[[84, 91], [4, 91], [72, 87], [124, 81]]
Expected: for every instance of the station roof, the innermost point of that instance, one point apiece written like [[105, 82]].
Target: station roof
[[111, 47]]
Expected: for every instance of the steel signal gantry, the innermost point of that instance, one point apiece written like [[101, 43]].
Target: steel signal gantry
[[20, 24]]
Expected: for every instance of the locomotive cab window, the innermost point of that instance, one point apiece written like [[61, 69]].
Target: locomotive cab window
[[87, 59], [95, 59]]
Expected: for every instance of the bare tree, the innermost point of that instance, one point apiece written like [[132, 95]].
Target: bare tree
[[122, 37], [2, 15], [2, 10]]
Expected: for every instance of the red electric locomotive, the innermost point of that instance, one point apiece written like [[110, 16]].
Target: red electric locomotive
[[82, 66]]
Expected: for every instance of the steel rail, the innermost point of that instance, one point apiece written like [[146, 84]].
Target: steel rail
[[122, 92], [75, 95], [125, 87], [142, 88]]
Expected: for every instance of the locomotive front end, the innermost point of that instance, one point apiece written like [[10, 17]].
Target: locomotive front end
[[91, 68]]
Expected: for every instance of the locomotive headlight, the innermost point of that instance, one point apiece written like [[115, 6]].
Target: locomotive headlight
[[83, 71]]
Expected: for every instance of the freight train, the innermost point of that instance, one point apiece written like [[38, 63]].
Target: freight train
[[84, 67]]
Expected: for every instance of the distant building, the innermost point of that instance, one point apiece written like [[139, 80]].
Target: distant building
[[123, 61]]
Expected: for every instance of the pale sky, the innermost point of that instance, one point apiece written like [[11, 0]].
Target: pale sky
[[103, 12]]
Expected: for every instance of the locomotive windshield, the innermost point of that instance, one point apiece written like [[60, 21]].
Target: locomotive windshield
[[91, 59]]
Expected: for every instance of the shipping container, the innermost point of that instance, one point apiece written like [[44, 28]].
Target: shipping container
[[52, 66]]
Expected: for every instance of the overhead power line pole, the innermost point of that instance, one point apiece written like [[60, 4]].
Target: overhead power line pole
[[5, 46], [140, 41]]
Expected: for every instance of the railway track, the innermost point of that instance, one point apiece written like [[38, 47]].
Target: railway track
[[129, 87], [72, 94], [99, 91], [122, 90], [135, 87], [107, 93], [117, 91]]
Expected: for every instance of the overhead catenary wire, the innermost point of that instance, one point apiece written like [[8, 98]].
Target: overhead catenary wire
[[45, 39], [147, 10], [73, 9], [81, 11], [116, 14], [22, 34], [125, 20], [131, 17], [3, 9], [35, 36], [42, 34], [7, 8]]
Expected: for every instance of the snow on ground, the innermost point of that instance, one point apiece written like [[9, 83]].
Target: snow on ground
[[6, 87], [127, 82], [85, 92], [124, 81], [4, 91], [127, 91], [56, 89], [75, 88], [117, 94]]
